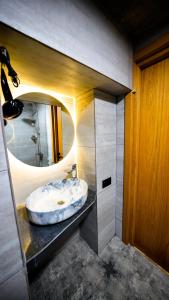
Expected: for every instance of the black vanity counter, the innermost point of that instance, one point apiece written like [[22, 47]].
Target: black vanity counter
[[38, 242]]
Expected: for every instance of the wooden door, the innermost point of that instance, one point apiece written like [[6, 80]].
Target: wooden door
[[146, 193]]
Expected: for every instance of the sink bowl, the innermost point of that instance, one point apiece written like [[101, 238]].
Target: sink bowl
[[56, 201]]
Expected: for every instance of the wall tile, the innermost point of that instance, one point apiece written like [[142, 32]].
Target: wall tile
[[10, 252], [120, 166], [119, 210], [3, 165], [119, 207], [120, 108], [106, 165], [86, 165], [105, 207], [120, 122], [119, 228], [6, 204], [105, 114], [85, 120], [15, 288], [106, 235], [120, 161], [119, 191], [86, 160], [86, 138]]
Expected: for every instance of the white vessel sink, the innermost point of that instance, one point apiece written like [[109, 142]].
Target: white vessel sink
[[56, 201]]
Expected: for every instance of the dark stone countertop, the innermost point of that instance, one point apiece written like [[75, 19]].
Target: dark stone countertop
[[38, 241]]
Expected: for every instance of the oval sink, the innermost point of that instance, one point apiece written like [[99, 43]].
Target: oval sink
[[56, 201]]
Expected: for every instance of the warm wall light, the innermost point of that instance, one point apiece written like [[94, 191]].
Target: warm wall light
[[75, 126]]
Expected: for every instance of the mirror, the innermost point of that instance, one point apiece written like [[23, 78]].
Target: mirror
[[43, 134]]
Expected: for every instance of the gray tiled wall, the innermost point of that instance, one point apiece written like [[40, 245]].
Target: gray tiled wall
[[120, 163], [100, 136], [105, 123], [86, 138], [13, 283], [86, 160]]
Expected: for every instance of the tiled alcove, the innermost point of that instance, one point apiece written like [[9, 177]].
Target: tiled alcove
[[100, 134]]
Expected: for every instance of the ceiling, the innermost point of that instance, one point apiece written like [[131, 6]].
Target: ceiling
[[139, 19], [39, 65]]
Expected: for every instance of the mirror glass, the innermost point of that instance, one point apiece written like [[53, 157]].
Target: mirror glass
[[43, 134]]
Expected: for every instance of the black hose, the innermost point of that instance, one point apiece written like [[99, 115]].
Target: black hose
[[5, 60]]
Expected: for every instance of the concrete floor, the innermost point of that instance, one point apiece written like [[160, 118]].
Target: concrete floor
[[121, 272]]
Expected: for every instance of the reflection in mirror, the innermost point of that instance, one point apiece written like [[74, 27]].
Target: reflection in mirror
[[43, 134]]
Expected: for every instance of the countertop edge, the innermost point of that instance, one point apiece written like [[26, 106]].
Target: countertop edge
[[29, 260]]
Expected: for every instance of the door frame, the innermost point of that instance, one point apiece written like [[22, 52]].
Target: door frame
[[156, 51]]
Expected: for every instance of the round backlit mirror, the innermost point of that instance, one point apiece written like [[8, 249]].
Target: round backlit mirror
[[43, 134]]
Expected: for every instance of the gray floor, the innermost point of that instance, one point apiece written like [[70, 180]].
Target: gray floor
[[120, 272]]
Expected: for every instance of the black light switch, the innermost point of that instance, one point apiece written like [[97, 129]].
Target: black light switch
[[106, 182]]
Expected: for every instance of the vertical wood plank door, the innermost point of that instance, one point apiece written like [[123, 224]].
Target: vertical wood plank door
[[149, 219]]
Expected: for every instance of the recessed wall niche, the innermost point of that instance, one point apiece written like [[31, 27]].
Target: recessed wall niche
[[26, 178], [44, 70]]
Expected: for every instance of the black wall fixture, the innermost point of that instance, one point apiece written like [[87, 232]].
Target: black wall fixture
[[11, 108]]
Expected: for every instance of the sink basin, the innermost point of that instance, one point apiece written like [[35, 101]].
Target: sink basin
[[56, 201]]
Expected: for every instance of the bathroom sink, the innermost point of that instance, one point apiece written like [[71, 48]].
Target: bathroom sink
[[56, 201]]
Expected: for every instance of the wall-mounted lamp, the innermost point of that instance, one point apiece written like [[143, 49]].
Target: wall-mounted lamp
[[11, 108]]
